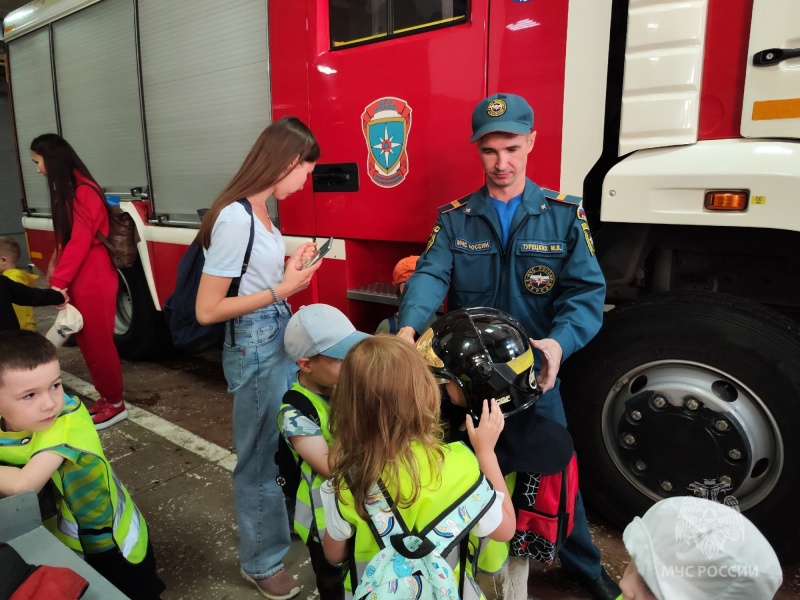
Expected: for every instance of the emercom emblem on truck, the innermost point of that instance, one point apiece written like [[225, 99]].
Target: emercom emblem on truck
[[386, 124]]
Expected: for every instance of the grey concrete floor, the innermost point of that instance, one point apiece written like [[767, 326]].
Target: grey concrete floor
[[179, 476]]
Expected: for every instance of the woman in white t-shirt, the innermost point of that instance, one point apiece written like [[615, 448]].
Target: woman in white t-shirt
[[256, 366]]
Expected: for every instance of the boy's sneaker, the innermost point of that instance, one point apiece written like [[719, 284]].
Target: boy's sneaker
[[278, 586], [105, 414]]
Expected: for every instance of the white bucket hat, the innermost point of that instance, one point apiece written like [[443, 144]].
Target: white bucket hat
[[689, 548], [68, 321]]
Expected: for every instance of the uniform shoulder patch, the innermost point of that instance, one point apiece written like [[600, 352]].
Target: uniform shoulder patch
[[561, 197], [453, 205]]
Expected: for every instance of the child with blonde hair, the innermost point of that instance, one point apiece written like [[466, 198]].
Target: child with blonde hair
[[18, 292], [390, 466]]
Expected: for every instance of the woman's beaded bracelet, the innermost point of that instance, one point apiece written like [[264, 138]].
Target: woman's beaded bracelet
[[274, 294]]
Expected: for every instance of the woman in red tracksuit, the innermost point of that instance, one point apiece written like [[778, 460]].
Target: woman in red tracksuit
[[81, 264]]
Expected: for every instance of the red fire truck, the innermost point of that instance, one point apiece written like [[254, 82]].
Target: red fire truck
[[677, 122]]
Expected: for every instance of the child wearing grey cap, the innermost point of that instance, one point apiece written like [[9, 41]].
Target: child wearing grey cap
[[317, 338], [689, 548]]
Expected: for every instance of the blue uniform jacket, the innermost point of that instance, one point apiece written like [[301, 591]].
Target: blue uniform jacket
[[548, 277]]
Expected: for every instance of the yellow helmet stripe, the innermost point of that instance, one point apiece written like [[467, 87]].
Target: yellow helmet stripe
[[521, 363]]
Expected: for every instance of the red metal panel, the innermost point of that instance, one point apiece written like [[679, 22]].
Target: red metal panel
[[724, 64], [41, 245], [440, 76], [527, 50], [289, 75], [164, 258]]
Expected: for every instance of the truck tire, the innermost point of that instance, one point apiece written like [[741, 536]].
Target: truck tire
[[139, 329], [691, 394]]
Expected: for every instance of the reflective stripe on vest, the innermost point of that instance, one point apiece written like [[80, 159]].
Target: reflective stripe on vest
[[308, 507]]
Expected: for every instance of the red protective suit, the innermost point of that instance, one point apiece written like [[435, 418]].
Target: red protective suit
[[84, 267]]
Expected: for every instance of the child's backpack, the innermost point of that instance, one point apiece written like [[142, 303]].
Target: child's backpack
[[179, 310], [545, 507], [418, 566], [289, 474]]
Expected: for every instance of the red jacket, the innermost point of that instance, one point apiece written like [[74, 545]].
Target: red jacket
[[89, 215]]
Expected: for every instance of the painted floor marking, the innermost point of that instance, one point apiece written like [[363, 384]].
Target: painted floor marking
[[161, 427]]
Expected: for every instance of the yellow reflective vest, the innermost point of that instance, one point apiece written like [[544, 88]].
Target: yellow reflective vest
[[74, 428], [458, 473], [308, 513], [24, 313]]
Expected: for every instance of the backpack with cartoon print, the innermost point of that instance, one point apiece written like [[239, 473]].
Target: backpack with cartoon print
[[414, 565]]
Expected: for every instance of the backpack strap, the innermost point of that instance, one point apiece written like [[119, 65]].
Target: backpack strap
[[455, 522], [383, 523], [392, 325], [102, 197], [299, 401], [452, 525], [451, 528], [233, 290]]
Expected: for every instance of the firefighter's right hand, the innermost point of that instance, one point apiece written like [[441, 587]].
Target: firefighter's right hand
[[484, 437], [295, 277]]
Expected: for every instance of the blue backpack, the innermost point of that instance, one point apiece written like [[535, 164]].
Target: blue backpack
[[179, 310], [415, 566]]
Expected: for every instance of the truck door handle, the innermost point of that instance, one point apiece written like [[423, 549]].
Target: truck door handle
[[773, 56], [332, 178], [339, 177]]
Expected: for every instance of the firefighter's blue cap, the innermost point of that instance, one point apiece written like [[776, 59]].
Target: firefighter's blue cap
[[502, 112]]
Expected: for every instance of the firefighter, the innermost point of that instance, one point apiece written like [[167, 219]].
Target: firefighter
[[508, 246]]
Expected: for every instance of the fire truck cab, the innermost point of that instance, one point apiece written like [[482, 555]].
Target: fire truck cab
[[677, 122]]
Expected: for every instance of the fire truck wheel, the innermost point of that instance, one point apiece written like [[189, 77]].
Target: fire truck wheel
[[691, 394], [139, 329]]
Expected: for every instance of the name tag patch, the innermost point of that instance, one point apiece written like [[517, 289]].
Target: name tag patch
[[539, 280], [467, 246], [535, 247]]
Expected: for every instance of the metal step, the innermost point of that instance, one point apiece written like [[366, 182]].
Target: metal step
[[380, 292]]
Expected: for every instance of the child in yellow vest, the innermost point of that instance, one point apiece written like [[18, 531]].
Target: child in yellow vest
[[48, 435], [317, 338], [385, 418], [9, 256]]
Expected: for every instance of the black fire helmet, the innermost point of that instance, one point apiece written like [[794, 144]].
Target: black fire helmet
[[487, 353]]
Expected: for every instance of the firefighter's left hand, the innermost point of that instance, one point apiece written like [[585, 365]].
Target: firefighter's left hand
[[551, 362]]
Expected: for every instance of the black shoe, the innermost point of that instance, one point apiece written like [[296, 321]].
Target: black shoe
[[602, 588]]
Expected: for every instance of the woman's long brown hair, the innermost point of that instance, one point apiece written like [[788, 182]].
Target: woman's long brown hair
[[386, 399], [283, 144], [60, 163]]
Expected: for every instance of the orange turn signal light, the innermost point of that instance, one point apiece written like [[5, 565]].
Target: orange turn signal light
[[726, 200]]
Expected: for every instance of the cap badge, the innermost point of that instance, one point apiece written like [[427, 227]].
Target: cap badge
[[496, 108]]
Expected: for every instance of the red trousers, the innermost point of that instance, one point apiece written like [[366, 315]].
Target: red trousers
[[93, 292]]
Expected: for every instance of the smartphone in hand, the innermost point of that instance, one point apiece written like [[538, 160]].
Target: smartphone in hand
[[321, 251]]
